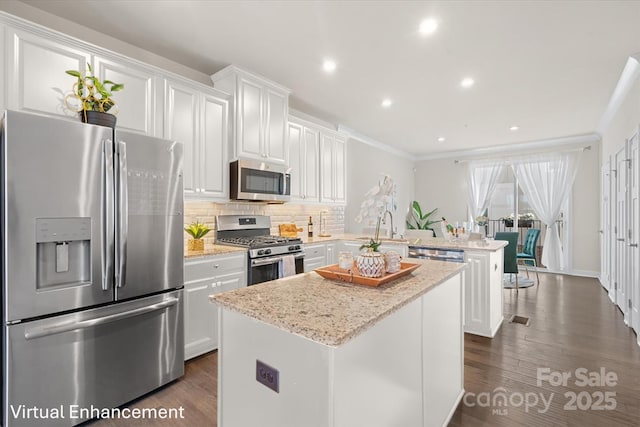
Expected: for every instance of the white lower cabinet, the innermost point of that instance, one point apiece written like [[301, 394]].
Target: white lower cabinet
[[315, 256], [332, 256], [483, 292], [203, 277]]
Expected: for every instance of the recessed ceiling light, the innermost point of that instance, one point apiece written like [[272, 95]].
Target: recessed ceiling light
[[428, 26], [386, 103], [329, 65], [467, 82], [441, 139], [514, 128]]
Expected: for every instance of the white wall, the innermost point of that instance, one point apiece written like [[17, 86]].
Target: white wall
[[442, 184], [623, 124], [586, 213], [365, 164]]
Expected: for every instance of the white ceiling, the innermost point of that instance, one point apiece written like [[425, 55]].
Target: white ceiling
[[548, 67]]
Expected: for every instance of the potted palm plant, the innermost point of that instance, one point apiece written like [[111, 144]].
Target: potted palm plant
[[197, 230], [91, 98], [419, 221]]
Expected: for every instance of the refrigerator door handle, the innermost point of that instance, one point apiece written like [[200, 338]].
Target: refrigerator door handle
[[122, 213], [58, 328], [106, 257]]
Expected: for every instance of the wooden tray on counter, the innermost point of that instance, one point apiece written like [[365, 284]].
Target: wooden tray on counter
[[351, 276]]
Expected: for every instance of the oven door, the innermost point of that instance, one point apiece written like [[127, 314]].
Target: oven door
[[266, 269]]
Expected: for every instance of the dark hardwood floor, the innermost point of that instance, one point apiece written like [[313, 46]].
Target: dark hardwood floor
[[572, 325]]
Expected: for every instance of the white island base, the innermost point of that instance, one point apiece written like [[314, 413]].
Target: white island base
[[406, 369]]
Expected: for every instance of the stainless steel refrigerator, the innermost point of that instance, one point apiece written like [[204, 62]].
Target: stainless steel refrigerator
[[92, 266]]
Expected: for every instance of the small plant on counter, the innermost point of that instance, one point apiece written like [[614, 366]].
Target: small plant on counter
[[373, 245], [419, 221], [197, 230]]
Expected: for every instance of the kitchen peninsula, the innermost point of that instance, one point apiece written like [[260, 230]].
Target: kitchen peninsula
[[309, 351]]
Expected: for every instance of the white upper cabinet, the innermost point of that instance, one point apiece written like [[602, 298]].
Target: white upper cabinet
[[304, 162], [261, 110], [214, 139], [36, 72], [198, 117], [136, 103], [333, 152]]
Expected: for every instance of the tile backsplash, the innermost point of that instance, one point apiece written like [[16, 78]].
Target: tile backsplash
[[286, 213]]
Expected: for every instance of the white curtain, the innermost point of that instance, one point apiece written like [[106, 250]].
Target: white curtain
[[482, 177], [546, 180]]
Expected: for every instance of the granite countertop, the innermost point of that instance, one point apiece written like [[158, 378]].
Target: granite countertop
[[474, 245], [212, 249], [331, 312]]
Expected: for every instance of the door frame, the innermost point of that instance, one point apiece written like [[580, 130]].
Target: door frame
[[620, 231]]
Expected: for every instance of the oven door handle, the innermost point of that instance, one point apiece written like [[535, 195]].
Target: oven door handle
[[273, 259]]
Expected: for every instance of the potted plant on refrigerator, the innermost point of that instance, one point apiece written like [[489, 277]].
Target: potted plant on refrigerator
[[91, 98], [197, 230]]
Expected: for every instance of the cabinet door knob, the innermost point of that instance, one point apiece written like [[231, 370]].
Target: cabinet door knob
[[216, 266], [495, 267]]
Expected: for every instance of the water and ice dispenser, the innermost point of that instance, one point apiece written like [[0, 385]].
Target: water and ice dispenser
[[63, 252]]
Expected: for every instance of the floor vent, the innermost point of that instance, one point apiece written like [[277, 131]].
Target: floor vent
[[519, 319]]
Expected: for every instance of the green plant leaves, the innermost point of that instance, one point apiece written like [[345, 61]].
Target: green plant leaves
[[93, 94], [420, 221], [197, 230], [373, 245]]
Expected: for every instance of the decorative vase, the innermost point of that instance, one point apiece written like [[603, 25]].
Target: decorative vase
[[98, 118], [370, 264], [195, 245], [392, 261]]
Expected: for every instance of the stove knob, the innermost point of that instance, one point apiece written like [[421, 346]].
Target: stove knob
[[292, 248], [261, 252], [297, 247], [267, 252]]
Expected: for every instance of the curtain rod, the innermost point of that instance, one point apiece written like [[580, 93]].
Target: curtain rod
[[512, 156]]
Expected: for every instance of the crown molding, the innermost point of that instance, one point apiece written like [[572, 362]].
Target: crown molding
[[373, 143], [305, 118], [525, 147], [231, 70], [627, 78]]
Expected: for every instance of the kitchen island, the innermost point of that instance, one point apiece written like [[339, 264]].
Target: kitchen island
[[308, 351], [483, 282]]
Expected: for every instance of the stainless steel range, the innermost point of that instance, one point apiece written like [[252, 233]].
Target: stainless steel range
[[266, 253]]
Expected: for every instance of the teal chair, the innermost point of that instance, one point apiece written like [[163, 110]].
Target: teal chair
[[528, 254], [510, 253]]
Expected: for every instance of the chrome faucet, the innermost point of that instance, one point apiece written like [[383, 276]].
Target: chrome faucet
[[392, 231]]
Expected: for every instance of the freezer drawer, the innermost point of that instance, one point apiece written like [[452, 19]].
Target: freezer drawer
[[102, 357]]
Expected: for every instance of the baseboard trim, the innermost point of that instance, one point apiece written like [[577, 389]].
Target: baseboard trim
[[453, 410], [578, 273]]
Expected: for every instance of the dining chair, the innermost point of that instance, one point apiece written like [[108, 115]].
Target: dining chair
[[510, 252], [528, 253]]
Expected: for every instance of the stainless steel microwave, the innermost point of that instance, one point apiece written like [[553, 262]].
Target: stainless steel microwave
[[258, 181]]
